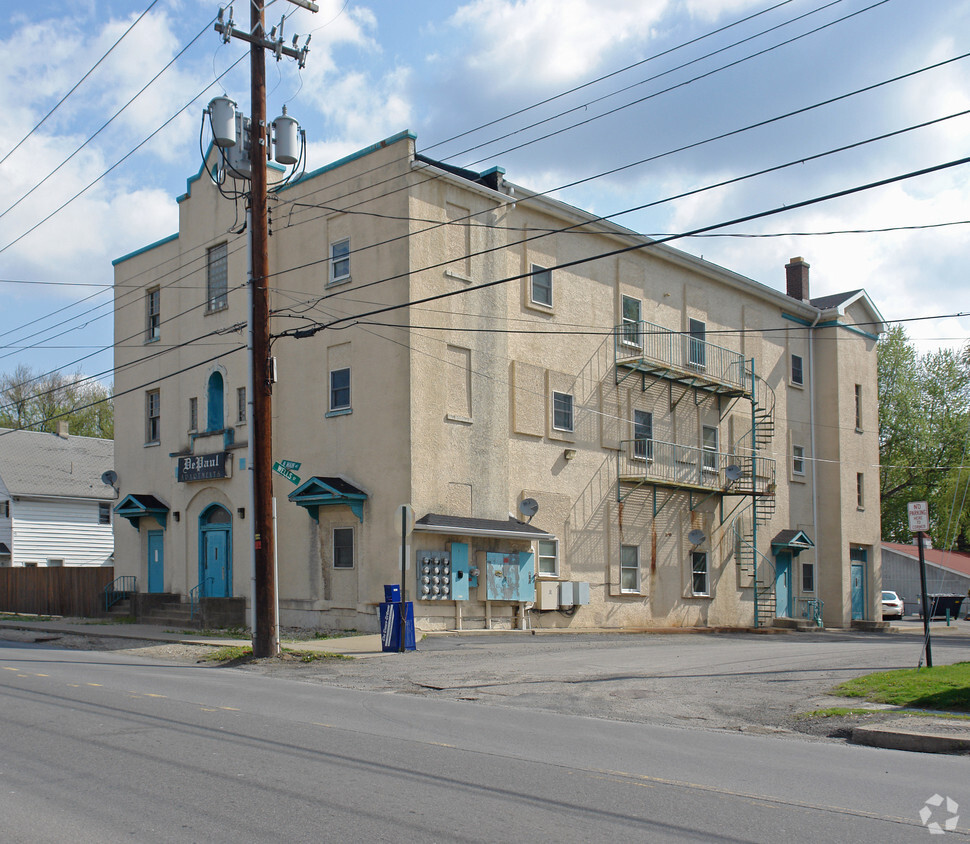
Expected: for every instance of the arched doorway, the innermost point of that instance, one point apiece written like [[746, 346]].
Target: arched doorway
[[215, 552]]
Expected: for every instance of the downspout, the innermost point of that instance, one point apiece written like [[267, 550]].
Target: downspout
[[811, 417]]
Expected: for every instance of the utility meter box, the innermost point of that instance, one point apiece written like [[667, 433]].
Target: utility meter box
[[547, 595]]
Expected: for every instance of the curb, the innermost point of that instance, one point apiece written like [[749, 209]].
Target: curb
[[909, 740]]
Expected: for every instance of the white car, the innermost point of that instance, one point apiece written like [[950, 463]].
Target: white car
[[892, 605]]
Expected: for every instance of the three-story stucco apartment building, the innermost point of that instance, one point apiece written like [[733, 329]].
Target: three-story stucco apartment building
[[593, 430]]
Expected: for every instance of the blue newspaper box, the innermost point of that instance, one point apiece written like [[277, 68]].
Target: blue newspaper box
[[391, 626], [392, 594]]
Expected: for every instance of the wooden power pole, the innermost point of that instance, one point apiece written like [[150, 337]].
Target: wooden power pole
[[266, 640]]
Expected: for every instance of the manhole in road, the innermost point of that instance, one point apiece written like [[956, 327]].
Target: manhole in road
[[633, 694]]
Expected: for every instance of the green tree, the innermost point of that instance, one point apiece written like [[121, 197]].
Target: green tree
[[924, 410], [40, 401]]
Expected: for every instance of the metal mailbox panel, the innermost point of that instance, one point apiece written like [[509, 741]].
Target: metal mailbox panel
[[459, 571]]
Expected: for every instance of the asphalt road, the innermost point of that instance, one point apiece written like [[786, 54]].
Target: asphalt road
[[105, 747]]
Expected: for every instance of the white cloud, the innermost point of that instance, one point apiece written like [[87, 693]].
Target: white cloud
[[548, 42]]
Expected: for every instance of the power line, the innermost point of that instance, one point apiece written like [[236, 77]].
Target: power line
[[77, 84], [308, 332], [107, 123], [581, 227]]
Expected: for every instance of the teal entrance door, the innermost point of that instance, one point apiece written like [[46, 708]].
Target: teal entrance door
[[783, 584], [156, 561], [215, 553], [858, 591]]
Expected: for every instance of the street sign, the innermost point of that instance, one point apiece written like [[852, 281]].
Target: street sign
[[919, 516], [280, 469], [291, 464]]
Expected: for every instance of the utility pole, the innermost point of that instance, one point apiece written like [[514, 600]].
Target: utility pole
[[266, 640]]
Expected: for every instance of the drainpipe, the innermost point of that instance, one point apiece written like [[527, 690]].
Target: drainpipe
[[811, 416]]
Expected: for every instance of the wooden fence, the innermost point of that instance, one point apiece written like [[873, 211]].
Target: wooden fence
[[68, 590]]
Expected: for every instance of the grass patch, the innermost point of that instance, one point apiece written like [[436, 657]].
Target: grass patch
[[835, 712], [313, 656], [17, 616], [943, 687], [230, 653]]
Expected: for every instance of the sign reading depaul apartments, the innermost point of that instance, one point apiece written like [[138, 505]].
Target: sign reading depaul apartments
[[202, 467]]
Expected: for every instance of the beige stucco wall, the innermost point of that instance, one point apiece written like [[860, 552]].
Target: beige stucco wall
[[451, 408]]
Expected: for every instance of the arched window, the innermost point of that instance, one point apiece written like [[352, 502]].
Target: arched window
[[216, 419], [216, 515]]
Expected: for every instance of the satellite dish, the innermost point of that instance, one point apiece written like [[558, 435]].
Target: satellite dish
[[528, 507], [733, 472], [110, 477], [696, 537]]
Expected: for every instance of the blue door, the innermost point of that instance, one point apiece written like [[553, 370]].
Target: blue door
[[783, 584], [156, 561], [215, 553], [858, 591]]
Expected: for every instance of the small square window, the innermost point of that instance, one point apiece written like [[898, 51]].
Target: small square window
[[340, 389], [698, 565], [798, 459], [340, 260], [797, 370], [562, 411], [630, 568], [104, 513], [549, 556], [541, 286], [343, 548], [808, 577]]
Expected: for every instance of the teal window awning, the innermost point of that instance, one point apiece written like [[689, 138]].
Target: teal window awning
[[132, 507], [325, 491], [795, 541]]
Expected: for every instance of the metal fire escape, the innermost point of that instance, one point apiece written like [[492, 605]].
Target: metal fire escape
[[648, 353]]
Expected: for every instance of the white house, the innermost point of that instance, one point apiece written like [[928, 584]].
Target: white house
[[55, 510]]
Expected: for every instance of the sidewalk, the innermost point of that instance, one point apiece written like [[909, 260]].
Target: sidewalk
[[359, 646]]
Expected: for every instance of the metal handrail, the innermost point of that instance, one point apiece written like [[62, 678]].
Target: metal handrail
[[120, 588], [196, 594], [812, 609], [649, 460], [679, 350]]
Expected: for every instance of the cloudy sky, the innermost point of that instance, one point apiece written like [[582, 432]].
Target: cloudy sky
[[700, 92]]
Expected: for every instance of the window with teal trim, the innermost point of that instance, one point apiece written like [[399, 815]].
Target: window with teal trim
[[215, 421]]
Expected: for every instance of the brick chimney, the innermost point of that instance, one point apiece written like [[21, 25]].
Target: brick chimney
[[796, 274], [63, 428]]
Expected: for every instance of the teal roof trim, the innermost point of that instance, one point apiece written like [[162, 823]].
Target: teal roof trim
[[150, 246], [133, 507], [333, 165], [316, 492], [832, 323]]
